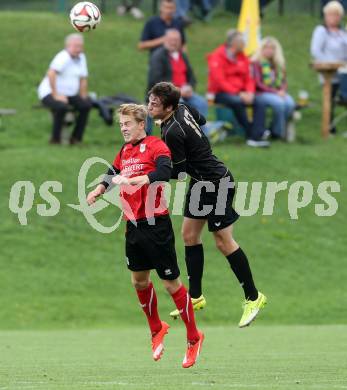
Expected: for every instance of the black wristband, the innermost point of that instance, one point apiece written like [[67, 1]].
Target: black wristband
[[108, 176]]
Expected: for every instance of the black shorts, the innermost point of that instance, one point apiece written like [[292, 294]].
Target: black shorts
[[152, 247], [212, 201]]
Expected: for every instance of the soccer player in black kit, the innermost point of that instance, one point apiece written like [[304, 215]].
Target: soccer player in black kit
[[209, 197]]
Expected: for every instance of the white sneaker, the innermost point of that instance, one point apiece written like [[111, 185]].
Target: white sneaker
[[136, 13], [266, 135], [121, 10], [258, 144], [211, 128]]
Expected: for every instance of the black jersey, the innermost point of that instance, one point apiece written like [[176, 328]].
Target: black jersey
[[190, 149]]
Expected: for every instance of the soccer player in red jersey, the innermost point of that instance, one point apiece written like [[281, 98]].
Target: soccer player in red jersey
[[141, 166]]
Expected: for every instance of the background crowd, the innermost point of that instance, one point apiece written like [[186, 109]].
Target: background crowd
[[253, 87]]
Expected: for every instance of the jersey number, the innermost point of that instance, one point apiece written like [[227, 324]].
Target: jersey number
[[190, 121]]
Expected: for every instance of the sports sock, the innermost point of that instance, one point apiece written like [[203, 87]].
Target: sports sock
[[239, 264], [184, 305], [195, 268], [148, 301]]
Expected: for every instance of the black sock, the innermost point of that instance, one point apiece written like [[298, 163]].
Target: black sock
[[239, 264], [195, 268]]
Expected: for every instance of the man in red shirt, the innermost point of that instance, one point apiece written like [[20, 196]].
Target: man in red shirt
[[171, 63], [231, 82], [150, 240]]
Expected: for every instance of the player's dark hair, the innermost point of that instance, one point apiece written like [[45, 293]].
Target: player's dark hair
[[168, 94]]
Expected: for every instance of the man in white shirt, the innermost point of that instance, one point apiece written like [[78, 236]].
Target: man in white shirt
[[66, 84]]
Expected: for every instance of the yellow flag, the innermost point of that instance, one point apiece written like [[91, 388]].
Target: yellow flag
[[249, 24]]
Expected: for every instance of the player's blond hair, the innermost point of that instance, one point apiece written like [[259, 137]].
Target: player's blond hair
[[137, 111], [332, 7]]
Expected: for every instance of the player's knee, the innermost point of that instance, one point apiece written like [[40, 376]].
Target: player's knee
[[224, 243], [220, 244], [172, 286], [190, 237], [140, 284]]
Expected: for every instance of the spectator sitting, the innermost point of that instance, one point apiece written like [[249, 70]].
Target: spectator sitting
[[329, 43], [323, 3], [232, 84], [170, 63], [271, 85], [154, 29], [66, 84]]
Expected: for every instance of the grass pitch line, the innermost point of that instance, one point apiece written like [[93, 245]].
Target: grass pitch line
[[118, 383]]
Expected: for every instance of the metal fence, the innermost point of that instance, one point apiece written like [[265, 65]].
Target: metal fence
[[60, 5], [278, 6]]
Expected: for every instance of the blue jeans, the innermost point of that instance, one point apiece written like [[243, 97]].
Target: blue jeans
[[198, 102], [282, 110], [253, 131], [182, 9]]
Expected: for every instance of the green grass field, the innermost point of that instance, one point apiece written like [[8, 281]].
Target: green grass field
[[60, 278], [262, 358]]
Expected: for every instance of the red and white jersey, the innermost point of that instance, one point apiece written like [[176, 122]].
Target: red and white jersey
[[139, 202]]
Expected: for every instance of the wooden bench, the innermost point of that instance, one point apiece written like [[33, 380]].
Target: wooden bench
[[69, 119], [69, 116], [226, 114]]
